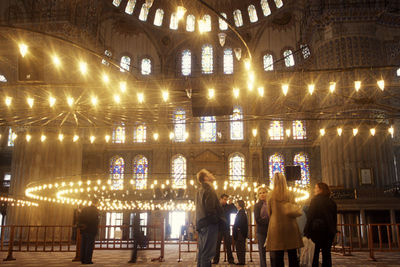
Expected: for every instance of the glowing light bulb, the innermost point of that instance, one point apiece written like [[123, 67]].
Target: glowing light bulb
[[122, 86], [247, 64], [60, 137], [155, 136], [93, 100], [355, 131], [8, 101], [357, 85], [391, 131], [180, 12], [250, 86], [332, 87], [92, 138], [381, 84], [186, 135], [106, 79], [211, 93], [30, 101], [254, 132], [140, 97], [117, 99], [70, 101], [252, 77], [311, 88], [107, 137], [339, 131], [56, 61], [52, 101], [322, 132], [28, 137], [236, 92], [372, 131], [23, 49], [75, 138], [165, 95], [43, 138], [261, 91], [285, 88], [83, 67], [288, 132], [171, 135]]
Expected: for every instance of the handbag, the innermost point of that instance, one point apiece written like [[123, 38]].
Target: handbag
[[307, 253], [292, 210]]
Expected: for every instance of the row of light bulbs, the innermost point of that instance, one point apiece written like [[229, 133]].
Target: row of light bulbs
[[18, 202], [355, 131]]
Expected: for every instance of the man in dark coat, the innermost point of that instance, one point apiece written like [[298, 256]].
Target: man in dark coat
[[138, 237], [240, 229], [88, 224]]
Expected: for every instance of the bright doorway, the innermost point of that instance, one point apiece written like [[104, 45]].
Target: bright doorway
[[176, 220]]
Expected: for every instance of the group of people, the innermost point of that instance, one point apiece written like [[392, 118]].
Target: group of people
[[276, 216]]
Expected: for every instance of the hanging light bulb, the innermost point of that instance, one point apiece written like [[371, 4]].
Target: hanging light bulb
[[381, 84], [75, 138], [94, 100], [211, 93], [155, 136], [222, 38], [70, 101], [332, 87], [288, 132], [8, 101], [122, 86], [311, 88], [117, 99], [355, 131], [322, 132], [285, 88], [391, 131], [23, 49], [171, 135], [165, 95], [140, 97], [60, 137], [339, 131], [30, 101], [250, 85], [357, 85], [260, 91], [83, 67], [247, 64], [254, 131], [180, 12], [52, 101], [28, 137], [236, 92], [107, 138], [43, 138], [92, 138], [106, 79], [238, 53], [372, 131]]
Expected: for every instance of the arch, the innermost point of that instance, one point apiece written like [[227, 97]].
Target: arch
[[301, 159], [236, 123], [117, 170], [140, 171], [236, 168], [276, 163], [178, 171]]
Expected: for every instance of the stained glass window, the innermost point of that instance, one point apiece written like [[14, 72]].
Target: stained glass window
[[268, 62], [252, 13], [305, 50], [276, 130], [190, 23], [208, 129], [289, 59], [207, 23], [130, 6], [222, 24], [237, 16], [178, 171], [144, 12], [173, 24], [180, 125], [3, 78], [228, 61], [301, 160], [140, 171], [139, 134], [237, 124], [186, 62], [278, 3], [118, 136], [299, 130], [10, 141], [116, 2], [117, 169], [236, 169], [265, 8], [146, 66], [125, 63], [158, 18], [276, 164], [207, 59]]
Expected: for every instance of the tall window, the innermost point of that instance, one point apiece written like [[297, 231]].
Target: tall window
[[276, 164], [278, 3], [142, 222], [180, 125], [158, 18], [190, 23], [6, 181], [398, 72], [265, 8], [118, 136], [289, 59], [144, 12], [208, 129], [117, 173], [301, 160], [125, 63], [11, 137], [276, 130], [305, 50], [139, 134], [228, 61], [114, 219], [207, 59], [299, 130], [178, 171], [207, 23], [116, 2], [186, 62], [236, 169], [237, 16], [252, 13], [268, 62], [237, 124], [222, 24], [173, 24], [130, 6], [146, 66], [140, 171]]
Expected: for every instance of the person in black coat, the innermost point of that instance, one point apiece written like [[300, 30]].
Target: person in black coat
[[262, 221], [240, 228], [321, 224], [88, 222]]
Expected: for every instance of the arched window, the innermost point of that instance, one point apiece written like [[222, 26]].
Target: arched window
[[180, 125], [278, 3], [289, 59], [222, 24], [228, 61], [11, 137], [276, 164], [130, 7], [139, 134], [237, 124], [144, 12], [178, 171], [117, 168], [116, 2], [190, 23], [301, 160], [186, 63], [268, 62], [299, 130], [208, 129], [276, 130], [207, 23], [305, 50], [125, 63], [265, 8], [140, 171], [237, 16], [236, 169], [173, 24], [158, 18], [118, 136], [146, 66], [3, 78], [207, 59], [252, 13]]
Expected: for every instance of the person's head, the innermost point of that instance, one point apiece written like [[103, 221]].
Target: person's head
[[280, 191], [322, 189], [261, 193], [240, 204], [204, 176], [223, 199]]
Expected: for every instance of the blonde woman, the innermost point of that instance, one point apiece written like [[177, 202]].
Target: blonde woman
[[262, 220], [283, 230]]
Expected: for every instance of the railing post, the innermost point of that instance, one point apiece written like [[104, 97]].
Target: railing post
[[370, 243], [162, 240], [78, 246], [10, 245], [179, 248], [251, 243]]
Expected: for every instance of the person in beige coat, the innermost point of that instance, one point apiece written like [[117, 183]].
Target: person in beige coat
[[283, 230]]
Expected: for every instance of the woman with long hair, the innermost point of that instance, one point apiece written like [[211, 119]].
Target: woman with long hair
[[283, 230], [262, 220]]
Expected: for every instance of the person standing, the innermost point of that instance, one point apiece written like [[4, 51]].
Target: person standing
[[224, 229], [88, 224], [209, 215], [321, 224], [262, 221], [283, 231], [240, 229], [137, 237]]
